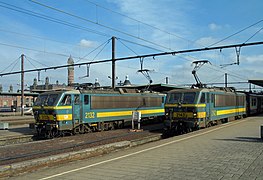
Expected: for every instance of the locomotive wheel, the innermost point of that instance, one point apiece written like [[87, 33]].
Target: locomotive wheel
[[87, 129], [111, 126], [74, 131], [106, 126], [81, 129], [120, 124]]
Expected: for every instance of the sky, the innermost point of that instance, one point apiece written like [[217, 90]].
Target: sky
[[48, 32]]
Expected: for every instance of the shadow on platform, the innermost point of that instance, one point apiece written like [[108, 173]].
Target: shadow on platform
[[244, 139]]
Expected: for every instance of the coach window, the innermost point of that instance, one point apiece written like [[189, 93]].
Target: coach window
[[86, 99]]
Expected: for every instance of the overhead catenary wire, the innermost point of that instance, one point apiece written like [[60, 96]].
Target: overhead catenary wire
[[127, 46], [28, 59], [15, 61], [37, 61], [100, 50], [37, 50], [142, 45], [14, 66], [237, 77], [69, 24], [114, 29], [49, 18], [236, 33], [102, 25], [106, 42], [253, 35], [59, 21], [38, 37], [154, 27], [138, 57]]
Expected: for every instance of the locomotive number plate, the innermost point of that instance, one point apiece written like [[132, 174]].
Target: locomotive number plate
[[180, 115], [89, 115]]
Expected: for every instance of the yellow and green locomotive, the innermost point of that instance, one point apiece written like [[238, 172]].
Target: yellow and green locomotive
[[190, 109], [81, 111]]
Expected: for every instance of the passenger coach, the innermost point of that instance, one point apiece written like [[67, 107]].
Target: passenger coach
[[254, 103], [60, 112], [189, 109]]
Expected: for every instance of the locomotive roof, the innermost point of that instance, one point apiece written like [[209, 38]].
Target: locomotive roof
[[97, 91], [214, 89]]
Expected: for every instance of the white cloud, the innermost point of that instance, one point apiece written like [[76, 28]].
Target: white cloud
[[214, 27], [172, 17], [206, 41], [257, 59], [87, 43]]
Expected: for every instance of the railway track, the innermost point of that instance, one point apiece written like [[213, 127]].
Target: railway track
[[27, 151], [17, 120]]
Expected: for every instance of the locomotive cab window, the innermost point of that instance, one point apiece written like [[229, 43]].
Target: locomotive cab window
[[46, 100], [76, 99], [66, 100], [41, 99], [51, 99], [189, 98], [86, 99], [174, 97], [202, 99], [186, 98]]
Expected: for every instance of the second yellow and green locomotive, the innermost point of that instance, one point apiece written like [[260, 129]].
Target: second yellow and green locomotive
[[190, 109]]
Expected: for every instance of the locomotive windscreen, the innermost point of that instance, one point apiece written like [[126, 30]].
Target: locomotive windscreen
[[46, 100], [186, 98]]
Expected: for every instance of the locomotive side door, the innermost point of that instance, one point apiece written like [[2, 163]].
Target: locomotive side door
[[76, 109], [208, 108]]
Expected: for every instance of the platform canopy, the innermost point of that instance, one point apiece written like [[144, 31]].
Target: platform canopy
[[162, 88], [256, 82]]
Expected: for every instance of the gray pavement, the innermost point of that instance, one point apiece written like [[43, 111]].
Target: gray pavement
[[230, 151]]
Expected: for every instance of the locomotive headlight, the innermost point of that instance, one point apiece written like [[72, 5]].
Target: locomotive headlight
[[167, 110], [195, 114]]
